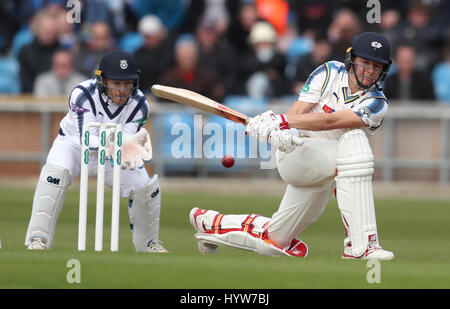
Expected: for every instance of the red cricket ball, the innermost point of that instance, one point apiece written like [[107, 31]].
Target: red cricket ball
[[228, 161]]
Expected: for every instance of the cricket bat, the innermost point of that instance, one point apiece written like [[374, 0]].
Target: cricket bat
[[198, 101], [203, 103]]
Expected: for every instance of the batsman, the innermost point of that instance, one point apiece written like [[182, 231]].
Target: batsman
[[112, 96], [338, 106]]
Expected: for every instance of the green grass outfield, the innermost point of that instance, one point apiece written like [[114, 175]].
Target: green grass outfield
[[416, 230]]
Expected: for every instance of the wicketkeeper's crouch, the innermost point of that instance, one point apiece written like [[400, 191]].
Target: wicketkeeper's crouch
[[111, 97], [338, 105]]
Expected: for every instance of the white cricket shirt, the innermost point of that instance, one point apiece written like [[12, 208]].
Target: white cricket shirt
[[327, 86], [86, 104]]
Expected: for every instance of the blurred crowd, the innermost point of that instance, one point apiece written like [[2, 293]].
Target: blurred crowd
[[262, 49]]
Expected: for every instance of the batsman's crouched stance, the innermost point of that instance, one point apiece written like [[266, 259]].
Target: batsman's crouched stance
[[339, 104], [111, 97]]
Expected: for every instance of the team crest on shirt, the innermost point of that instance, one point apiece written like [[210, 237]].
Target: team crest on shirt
[[365, 111], [77, 109], [123, 64]]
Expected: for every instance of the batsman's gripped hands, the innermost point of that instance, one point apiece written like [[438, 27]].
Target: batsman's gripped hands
[[136, 149], [274, 128], [285, 140], [261, 125]]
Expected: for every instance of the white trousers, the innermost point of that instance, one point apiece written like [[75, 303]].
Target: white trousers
[[309, 172]]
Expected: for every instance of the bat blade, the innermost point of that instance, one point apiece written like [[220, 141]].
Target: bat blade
[[203, 103], [198, 101]]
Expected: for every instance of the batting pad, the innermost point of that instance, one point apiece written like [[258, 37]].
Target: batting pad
[[144, 209], [47, 203], [242, 240], [354, 162], [234, 239]]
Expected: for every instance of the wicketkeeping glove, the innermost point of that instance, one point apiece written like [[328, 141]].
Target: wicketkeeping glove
[[136, 149], [285, 140]]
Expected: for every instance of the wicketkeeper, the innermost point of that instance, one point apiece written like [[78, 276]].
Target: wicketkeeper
[[339, 104], [112, 96]]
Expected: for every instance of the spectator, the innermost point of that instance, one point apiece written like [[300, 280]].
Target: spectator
[[61, 79], [441, 77], [239, 29], [294, 46], [389, 21], [171, 13], [9, 77], [408, 83], [157, 52], [263, 67], [312, 14], [216, 54], [36, 57], [67, 37], [90, 52], [419, 30], [118, 14], [9, 23], [219, 11], [188, 74], [275, 12], [344, 27], [320, 54]]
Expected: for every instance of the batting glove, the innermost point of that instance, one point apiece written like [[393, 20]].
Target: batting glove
[[261, 125], [285, 140]]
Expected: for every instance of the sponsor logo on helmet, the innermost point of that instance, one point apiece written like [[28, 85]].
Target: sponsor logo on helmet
[[376, 45], [123, 64]]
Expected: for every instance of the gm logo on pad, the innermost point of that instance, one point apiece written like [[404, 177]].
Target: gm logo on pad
[[155, 193], [53, 180]]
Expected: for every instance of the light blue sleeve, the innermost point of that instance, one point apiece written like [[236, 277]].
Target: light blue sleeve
[[372, 111]]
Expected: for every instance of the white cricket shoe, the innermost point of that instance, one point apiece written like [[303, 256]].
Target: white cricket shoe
[[373, 252], [196, 218], [36, 244], [156, 247]]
